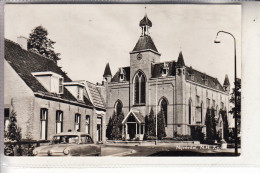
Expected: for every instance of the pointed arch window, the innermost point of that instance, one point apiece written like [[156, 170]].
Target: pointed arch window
[[164, 108], [139, 87], [190, 112], [118, 107]]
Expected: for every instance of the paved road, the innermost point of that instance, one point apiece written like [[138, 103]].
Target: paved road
[[116, 151], [169, 150]]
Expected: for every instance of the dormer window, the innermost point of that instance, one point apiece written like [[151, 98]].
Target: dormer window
[[60, 85], [80, 93], [51, 81], [204, 78], [122, 74], [76, 89], [191, 74], [121, 77], [165, 69]]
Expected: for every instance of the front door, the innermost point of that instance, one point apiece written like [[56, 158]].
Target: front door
[[131, 130]]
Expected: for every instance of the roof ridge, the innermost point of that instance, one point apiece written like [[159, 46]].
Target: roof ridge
[[30, 50], [154, 63]]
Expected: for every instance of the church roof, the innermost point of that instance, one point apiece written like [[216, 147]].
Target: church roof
[[145, 21], [226, 81], [25, 62], [116, 77], [158, 67], [144, 43], [107, 71], [200, 78]]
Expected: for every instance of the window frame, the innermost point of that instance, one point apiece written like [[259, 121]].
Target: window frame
[[61, 86], [87, 125], [161, 106], [46, 123], [60, 120], [77, 121], [139, 88]]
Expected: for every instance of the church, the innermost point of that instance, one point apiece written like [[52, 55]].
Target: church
[[182, 93]]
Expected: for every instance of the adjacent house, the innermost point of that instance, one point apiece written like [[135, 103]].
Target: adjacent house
[[45, 99]]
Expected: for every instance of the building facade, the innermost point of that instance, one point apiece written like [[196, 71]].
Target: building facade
[[182, 93], [45, 100]]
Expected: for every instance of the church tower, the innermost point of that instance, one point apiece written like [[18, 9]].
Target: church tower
[[180, 96], [141, 58], [145, 51]]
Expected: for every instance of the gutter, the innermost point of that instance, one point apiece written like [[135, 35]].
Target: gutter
[[41, 95]]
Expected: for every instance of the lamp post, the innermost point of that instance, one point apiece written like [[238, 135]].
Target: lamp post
[[235, 70]]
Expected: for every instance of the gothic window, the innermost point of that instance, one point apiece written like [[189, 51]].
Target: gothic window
[[201, 113], [139, 86], [118, 107], [44, 123], [164, 110], [59, 121], [77, 122], [198, 110], [213, 103], [190, 112], [208, 103]]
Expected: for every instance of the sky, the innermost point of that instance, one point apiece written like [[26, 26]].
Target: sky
[[89, 36]]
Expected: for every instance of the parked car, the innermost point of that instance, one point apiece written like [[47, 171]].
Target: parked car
[[69, 144]]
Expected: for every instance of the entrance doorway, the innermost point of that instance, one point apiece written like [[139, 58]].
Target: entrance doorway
[[131, 130]]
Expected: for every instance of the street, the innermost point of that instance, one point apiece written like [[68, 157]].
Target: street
[[164, 150]]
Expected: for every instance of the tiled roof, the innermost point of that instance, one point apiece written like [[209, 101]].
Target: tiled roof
[[145, 42], [116, 77], [157, 69], [200, 78], [25, 62], [95, 95]]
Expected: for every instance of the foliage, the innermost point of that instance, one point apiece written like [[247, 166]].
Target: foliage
[[40, 43], [197, 133], [109, 129], [160, 125], [238, 104], [182, 138], [114, 128], [210, 125], [151, 124], [225, 124], [13, 134]]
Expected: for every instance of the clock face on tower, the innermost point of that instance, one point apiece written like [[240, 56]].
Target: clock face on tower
[[139, 56]]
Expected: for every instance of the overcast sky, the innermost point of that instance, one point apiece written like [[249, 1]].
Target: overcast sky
[[89, 36]]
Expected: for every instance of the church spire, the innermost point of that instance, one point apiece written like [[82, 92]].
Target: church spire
[[180, 61], [145, 24], [107, 71]]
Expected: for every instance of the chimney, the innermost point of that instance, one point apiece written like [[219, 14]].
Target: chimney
[[22, 41]]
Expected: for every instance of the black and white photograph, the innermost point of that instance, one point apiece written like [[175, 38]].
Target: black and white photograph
[[122, 80]]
